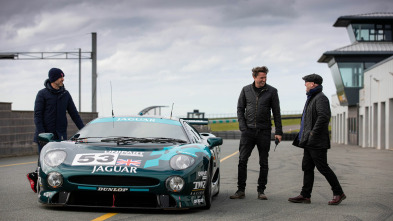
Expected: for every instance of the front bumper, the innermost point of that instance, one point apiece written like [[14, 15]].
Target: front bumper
[[110, 192], [130, 199]]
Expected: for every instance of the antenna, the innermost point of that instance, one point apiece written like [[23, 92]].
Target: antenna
[[113, 115], [171, 110]]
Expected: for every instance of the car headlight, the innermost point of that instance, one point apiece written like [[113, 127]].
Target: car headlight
[[181, 162], [55, 158], [174, 183], [55, 179]]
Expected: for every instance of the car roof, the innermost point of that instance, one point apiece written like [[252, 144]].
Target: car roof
[[142, 116]]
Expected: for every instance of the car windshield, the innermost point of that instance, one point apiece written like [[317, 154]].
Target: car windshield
[[136, 127]]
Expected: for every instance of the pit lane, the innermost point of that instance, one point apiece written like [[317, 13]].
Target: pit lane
[[365, 175]]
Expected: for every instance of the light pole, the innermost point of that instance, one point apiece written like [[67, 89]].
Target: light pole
[[64, 55]]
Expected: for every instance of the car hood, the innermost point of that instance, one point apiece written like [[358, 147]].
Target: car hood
[[103, 158]]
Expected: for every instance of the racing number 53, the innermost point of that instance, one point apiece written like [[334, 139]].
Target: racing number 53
[[90, 158], [95, 159]]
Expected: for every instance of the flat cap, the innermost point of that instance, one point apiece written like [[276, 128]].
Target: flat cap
[[313, 78]]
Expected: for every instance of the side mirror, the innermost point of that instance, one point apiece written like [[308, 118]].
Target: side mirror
[[214, 141], [45, 137], [76, 136]]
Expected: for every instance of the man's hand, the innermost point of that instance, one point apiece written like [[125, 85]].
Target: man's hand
[[279, 137], [277, 140]]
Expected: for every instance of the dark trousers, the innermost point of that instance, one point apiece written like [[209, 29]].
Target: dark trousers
[[317, 158], [248, 140], [39, 153]]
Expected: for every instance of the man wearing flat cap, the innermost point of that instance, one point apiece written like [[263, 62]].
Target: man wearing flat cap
[[50, 108], [314, 138]]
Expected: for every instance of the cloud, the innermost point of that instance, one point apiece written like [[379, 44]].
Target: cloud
[[196, 54]]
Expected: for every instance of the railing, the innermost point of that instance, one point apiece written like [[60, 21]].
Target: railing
[[234, 115], [237, 134]]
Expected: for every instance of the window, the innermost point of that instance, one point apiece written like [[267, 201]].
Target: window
[[196, 138], [351, 74], [372, 32], [133, 129]]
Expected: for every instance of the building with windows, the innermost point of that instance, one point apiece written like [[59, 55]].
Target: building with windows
[[357, 117]]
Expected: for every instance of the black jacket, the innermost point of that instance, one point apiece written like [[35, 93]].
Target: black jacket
[[316, 115], [254, 110], [50, 112]]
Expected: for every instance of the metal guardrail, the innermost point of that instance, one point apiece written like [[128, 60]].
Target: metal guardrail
[[237, 134], [223, 121], [220, 121], [234, 115]]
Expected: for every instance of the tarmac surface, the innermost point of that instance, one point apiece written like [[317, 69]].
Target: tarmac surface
[[366, 176]]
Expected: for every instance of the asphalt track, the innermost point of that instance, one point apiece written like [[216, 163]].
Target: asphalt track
[[365, 174]]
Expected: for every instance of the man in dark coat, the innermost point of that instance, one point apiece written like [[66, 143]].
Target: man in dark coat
[[254, 107], [314, 138], [51, 105]]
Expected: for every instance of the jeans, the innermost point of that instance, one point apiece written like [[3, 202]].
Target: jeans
[[317, 158], [248, 140]]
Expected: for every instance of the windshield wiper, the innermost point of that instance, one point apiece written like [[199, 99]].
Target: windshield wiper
[[166, 140], [125, 140], [84, 139]]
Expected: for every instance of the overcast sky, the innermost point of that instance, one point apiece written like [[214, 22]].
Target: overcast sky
[[197, 54]]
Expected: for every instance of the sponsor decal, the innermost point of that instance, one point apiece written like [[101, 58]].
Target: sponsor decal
[[199, 185], [49, 194], [91, 159], [114, 169], [128, 162], [202, 174], [137, 119], [197, 192], [126, 153], [198, 200], [112, 189]]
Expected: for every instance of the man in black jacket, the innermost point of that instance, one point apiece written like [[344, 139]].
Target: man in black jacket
[[256, 101], [50, 108], [314, 138]]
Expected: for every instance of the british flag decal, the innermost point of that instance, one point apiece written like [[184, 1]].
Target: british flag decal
[[128, 162]]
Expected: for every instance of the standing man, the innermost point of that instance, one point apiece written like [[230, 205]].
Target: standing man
[[256, 101], [51, 105], [314, 138]]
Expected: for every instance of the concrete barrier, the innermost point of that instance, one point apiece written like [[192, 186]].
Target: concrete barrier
[[17, 130]]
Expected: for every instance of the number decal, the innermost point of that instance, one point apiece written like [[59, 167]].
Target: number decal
[[86, 158], [105, 158], [95, 159]]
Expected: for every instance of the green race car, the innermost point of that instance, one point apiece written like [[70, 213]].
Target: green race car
[[131, 162]]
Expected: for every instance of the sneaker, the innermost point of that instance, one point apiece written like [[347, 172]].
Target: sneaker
[[299, 199], [262, 196], [32, 177], [337, 199], [238, 195]]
